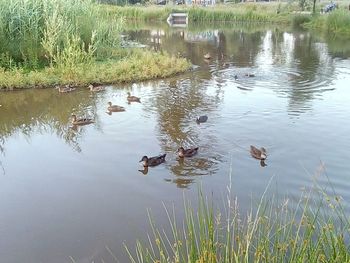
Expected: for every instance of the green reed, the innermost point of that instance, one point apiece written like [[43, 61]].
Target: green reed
[[313, 229], [337, 23], [36, 33], [136, 65]]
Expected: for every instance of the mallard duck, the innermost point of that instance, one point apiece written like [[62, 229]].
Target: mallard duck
[[82, 121], [187, 152], [114, 108], [133, 98], [153, 161], [65, 89], [236, 77], [201, 119], [207, 56], [259, 154], [96, 89]]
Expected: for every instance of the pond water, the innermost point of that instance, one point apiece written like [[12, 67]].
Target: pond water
[[78, 192]]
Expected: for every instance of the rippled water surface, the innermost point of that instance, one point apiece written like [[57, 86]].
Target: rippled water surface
[[73, 192]]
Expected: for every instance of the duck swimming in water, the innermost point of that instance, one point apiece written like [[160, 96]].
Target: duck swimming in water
[[201, 119], [82, 121], [187, 152], [65, 89], [259, 154], [96, 89], [132, 98], [152, 161], [114, 108]]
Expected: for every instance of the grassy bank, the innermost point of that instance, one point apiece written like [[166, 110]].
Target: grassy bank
[[336, 23], [238, 12], [45, 43], [138, 65], [315, 229], [288, 13]]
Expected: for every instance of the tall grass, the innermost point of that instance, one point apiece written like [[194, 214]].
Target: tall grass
[[336, 23], [238, 12], [314, 229], [36, 33], [136, 66]]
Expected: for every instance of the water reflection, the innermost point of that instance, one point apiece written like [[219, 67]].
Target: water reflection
[[302, 68], [44, 111], [85, 183]]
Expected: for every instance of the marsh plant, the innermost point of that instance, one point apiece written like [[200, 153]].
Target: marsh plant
[[313, 229], [37, 33]]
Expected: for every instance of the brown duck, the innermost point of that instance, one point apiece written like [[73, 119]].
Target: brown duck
[[259, 154], [65, 89], [133, 98], [114, 108], [187, 152], [96, 89], [153, 161], [82, 121]]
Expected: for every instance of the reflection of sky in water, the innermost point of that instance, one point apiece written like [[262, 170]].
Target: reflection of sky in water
[[80, 190]]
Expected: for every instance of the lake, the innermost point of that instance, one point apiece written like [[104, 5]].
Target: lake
[[80, 192]]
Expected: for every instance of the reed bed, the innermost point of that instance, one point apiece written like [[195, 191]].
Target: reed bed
[[37, 33], [136, 66], [49, 42], [313, 229], [336, 23]]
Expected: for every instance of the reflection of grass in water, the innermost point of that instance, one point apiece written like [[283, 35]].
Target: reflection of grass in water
[[314, 229]]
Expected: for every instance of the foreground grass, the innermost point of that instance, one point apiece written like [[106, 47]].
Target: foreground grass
[[137, 66], [311, 230]]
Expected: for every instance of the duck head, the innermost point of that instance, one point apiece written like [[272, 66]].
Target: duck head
[[144, 161], [109, 103], [263, 153], [181, 151]]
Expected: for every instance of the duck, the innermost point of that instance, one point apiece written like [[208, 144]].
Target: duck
[[82, 121], [259, 154], [65, 89], [187, 152], [207, 56], [96, 89], [235, 77], [201, 119], [153, 161], [133, 98], [114, 108]]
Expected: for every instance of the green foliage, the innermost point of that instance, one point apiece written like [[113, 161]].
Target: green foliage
[[314, 229], [300, 19], [135, 65], [335, 23], [36, 33]]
